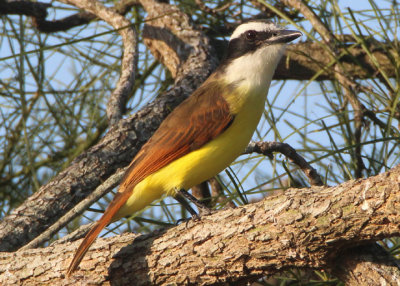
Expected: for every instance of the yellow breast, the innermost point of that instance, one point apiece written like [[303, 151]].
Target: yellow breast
[[205, 162]]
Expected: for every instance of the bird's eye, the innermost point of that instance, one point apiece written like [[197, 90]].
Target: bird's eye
[[251, 35]]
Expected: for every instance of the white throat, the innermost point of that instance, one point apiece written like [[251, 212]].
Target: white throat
[[254, 71]]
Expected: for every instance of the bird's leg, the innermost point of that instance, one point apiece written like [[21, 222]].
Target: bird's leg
[[187, 206], [203, 210]]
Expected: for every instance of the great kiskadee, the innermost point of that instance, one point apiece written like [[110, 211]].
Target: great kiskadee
[[207, 131]]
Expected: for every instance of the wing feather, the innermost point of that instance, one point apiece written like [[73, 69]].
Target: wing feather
[[196, 121]]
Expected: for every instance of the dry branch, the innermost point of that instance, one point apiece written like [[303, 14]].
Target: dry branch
[[300, 228], [304, 60], [108, 185], [267, 148]]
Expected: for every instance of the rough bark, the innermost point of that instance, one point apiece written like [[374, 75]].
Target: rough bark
[[300, 228], [367, 264]]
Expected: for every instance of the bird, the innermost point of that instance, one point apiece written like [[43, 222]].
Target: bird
[[206, 132]]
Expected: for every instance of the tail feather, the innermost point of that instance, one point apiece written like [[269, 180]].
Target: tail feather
[[118, 201]]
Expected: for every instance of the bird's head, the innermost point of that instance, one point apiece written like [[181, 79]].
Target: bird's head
[[254, 50]]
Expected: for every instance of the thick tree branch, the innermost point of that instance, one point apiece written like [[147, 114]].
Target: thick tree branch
[[300, 228], [23, 7]]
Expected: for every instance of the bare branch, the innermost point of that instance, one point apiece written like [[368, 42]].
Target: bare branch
[[213, 11], [100, 191], [63, 24], [75, 235], [38, 12], [23, 7], [304, 60], [266, 148], [367, 264]]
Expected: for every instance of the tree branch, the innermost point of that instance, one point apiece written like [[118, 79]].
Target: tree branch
[[108, 185], [368, 264], [304, 60], [38, 12], [22, 7], [267, 148], [300, 228]]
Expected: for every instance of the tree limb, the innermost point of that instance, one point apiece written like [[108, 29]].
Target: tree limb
[[108, 185], [300, 228], [267, 148], [366, 264]]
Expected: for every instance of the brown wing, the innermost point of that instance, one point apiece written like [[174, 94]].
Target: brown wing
[[196, 121]]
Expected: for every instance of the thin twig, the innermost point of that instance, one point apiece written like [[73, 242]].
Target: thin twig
[[213, 11], [100, 191], [267, 147]]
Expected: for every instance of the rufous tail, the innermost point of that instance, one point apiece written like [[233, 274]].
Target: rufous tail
[[118, 201]]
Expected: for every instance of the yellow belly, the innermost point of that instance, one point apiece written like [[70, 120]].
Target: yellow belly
[[201, 164]]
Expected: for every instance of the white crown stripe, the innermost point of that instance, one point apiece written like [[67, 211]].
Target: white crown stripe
[[256, 26]]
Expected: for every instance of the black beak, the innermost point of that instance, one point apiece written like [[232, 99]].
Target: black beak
[[285, 36]]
